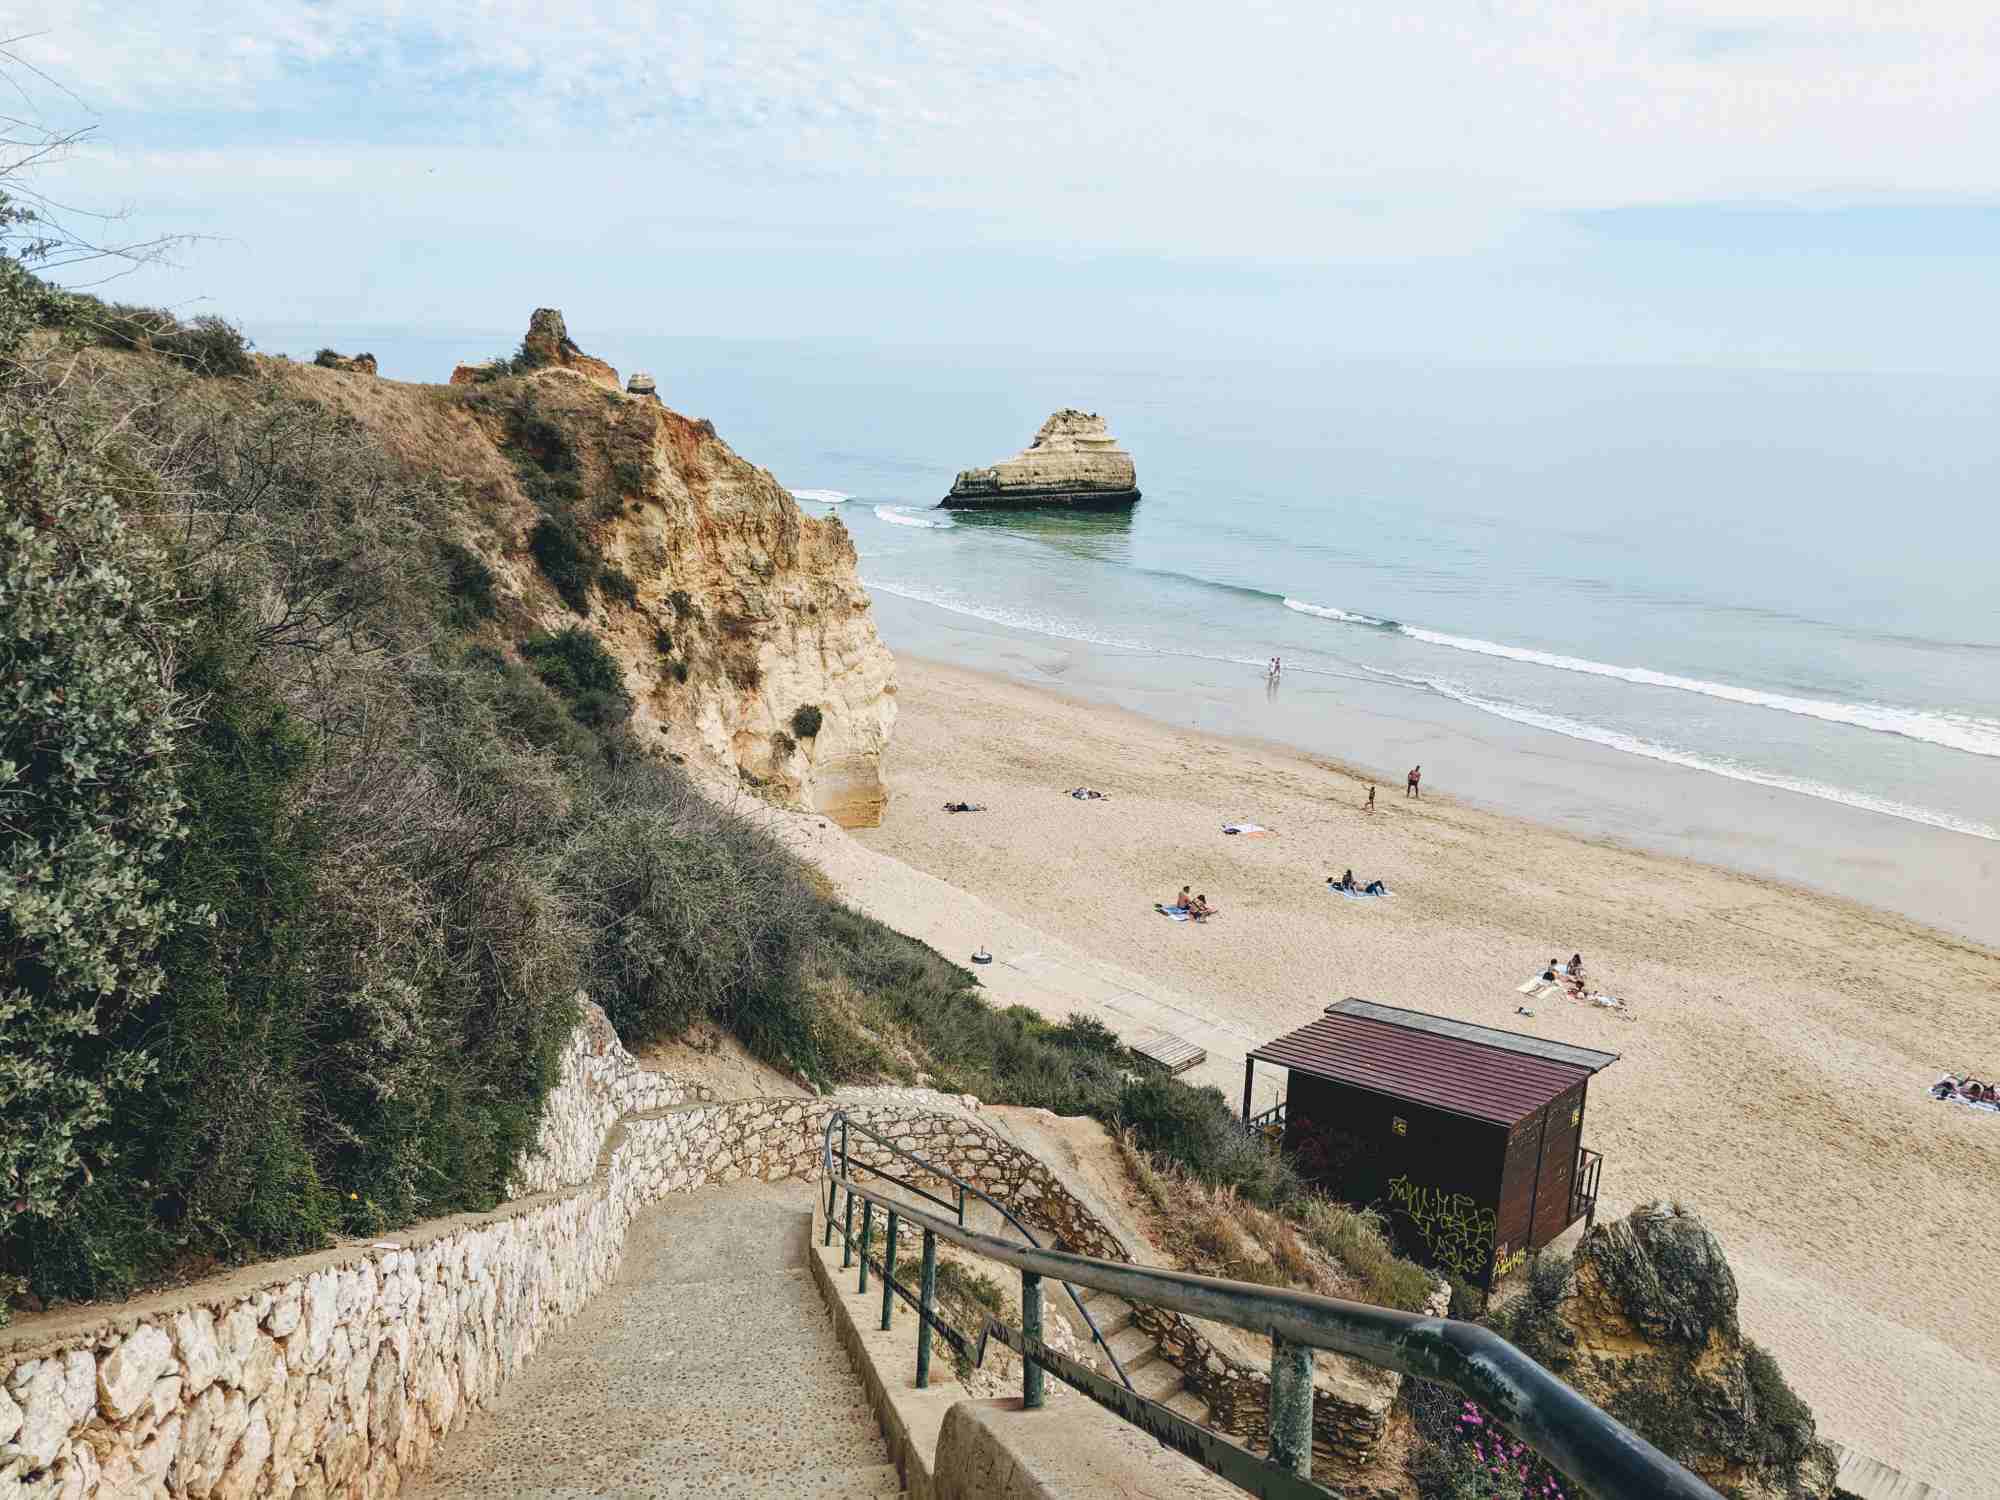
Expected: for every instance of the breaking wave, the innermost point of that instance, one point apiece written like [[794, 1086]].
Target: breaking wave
[[822, 497], [1613, 739], [1974, 736], [899, 515], [1328, 612]]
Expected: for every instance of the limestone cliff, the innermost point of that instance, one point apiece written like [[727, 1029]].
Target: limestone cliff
[[1642, 1321], [744, 633], [1074, 462]]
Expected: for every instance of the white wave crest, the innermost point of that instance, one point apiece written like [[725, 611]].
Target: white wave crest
[[897, 515], [1954, 731], [1613, 739], [1328, 612], [821, 497]]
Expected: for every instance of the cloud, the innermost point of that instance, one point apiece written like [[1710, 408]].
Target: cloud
[[1505, 144]]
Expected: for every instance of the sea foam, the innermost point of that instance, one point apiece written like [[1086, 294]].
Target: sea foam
[[1973, 735], [897, 515], [821, 497], [1613, 739]]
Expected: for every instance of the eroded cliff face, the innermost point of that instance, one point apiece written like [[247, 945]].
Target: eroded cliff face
[[745, 636]]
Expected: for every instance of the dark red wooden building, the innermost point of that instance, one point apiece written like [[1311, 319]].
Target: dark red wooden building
[[1470, 1139]]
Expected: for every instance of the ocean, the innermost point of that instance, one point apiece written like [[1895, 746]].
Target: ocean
[[1748, 616]]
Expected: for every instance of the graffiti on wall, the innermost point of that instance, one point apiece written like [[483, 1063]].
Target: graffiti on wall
[[1456, 1228]]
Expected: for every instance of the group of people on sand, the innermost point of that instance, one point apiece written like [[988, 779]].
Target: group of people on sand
[[1568, 975], [1193, 905], [1966, 1090], [1354, 887]]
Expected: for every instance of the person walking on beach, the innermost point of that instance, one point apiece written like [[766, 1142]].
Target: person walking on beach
[[1415, 785], [1371, 800]]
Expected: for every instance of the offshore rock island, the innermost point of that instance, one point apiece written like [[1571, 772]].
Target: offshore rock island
[[1073, 462]]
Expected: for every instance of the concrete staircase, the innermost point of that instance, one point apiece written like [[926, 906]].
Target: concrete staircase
[[708, 1368], [1152, 1375]]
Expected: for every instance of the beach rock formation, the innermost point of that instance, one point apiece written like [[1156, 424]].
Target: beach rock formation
[[332, 359], [548, 345], [641, 384], [1642, 1321], [1073, 462]]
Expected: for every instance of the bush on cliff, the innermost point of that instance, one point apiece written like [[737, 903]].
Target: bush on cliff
[[575, 665], [90, 809]]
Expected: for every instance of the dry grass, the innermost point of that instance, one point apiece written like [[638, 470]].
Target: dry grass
[[1313, 1245]]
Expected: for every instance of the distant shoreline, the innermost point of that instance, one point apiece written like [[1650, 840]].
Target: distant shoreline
[[1943, 880]]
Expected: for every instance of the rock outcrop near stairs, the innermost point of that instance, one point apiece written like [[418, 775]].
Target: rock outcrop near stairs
[[1642, 1321]]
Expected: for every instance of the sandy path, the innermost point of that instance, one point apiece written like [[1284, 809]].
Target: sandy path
[[1773, 1067]]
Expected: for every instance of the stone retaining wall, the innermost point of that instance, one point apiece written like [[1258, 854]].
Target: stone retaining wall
[[336, 1374]]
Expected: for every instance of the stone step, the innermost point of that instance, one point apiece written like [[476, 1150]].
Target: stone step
[[1132, 1344], [1189, 1405], [1156, 1379]]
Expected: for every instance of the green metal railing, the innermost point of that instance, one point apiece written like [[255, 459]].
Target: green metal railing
[[963, 1190], [1587, 1445]]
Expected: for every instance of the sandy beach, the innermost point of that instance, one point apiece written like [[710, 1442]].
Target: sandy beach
[[1775, 1053]]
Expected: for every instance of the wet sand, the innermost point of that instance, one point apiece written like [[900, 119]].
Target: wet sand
[[1774, 1060]]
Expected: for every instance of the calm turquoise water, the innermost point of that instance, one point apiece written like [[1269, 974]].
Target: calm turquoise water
[[1776, 579]]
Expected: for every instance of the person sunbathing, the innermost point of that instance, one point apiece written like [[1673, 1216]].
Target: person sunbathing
[[1199, 909], [1182, 901], [965, 807], [1574, 968], [1345, 883]]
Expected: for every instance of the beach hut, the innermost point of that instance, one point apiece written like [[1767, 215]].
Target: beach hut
[[1469, 1138]]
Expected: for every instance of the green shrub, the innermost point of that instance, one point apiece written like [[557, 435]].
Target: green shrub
[[806, 720], [568, 559], [470, 583], [575, 665], [618, 585], [90, 808], [694, 916], [206, 345], [1196, 1128]]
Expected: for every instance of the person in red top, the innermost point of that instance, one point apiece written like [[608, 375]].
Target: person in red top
[[1415, 786]]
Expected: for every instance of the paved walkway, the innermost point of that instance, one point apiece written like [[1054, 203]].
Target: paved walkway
[[710, 1367]]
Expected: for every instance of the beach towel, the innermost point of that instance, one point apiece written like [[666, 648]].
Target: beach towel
[[1178, 913], [1530, 987], [1361, 895], [1254, 830]]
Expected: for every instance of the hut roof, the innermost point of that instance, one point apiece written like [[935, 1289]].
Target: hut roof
[[1476, 1071]]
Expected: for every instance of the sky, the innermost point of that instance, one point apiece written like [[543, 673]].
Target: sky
[[1765, 183]]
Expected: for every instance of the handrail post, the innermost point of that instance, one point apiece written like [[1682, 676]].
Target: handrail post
[[961, 1205], [867, 1235], [926, 1295], [889, 1272], [847, 1234], [1031, 1335], [1292, 1405], [832, 1193]]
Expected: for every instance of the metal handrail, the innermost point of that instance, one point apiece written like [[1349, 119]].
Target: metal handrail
[[1589, 1446], [847, 1122]]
